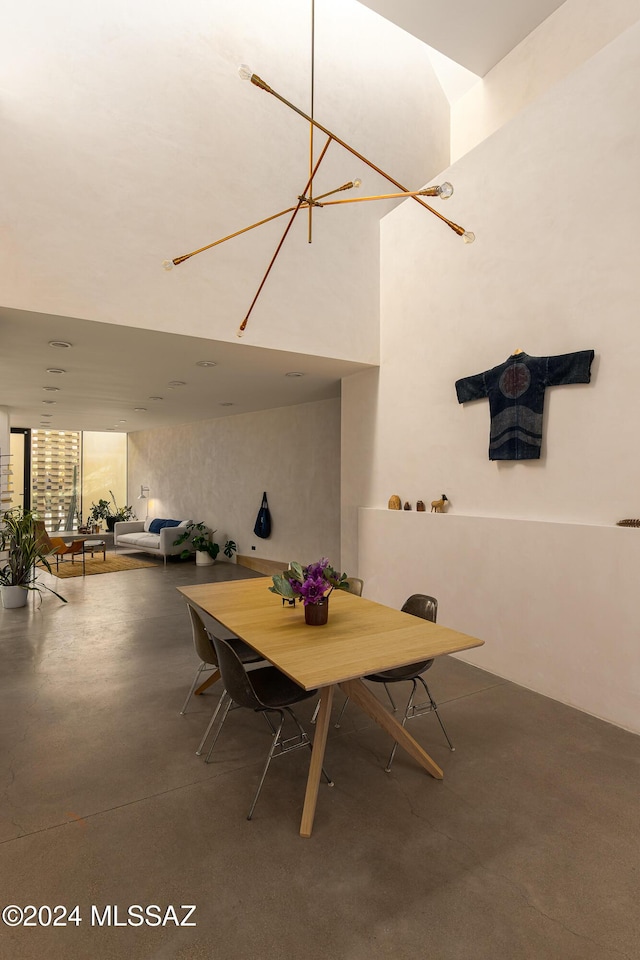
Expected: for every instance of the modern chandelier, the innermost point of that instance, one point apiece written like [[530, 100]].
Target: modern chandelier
[[306, 200]]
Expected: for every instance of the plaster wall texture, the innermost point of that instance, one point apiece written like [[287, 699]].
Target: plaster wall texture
[[562, 42], [540, 595], [133, 140], [216, 470], [552, 271]]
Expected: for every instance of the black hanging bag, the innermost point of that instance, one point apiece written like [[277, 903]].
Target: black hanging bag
[[262, 528]]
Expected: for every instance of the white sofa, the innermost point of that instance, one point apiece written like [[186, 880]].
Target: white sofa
[[135, 535]]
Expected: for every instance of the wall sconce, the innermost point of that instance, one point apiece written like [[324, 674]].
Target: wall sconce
[[144, 495]]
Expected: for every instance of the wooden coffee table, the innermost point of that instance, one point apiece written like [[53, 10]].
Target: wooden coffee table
[[95, 546]]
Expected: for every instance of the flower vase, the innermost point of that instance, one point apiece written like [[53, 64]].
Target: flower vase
[[316, 614]]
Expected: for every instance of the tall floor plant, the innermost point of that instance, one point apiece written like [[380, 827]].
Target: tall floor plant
[[19, 539]]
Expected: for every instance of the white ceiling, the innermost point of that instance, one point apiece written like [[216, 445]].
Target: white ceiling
[[111, 369]]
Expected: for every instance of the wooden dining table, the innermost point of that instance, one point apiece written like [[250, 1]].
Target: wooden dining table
[[360, 638]]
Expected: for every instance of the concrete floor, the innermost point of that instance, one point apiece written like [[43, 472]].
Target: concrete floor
[[527, 849]]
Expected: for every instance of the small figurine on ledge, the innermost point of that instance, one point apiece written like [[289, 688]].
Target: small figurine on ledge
[[437, 506], [407, 505], [395, 502], [420, 507]]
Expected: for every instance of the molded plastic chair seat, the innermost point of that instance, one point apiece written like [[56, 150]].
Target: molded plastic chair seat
[[264, 690], [401, 673]]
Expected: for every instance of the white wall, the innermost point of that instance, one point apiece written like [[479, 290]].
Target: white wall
[[554, 269], [133, 140], [566, 39], [216, 471]]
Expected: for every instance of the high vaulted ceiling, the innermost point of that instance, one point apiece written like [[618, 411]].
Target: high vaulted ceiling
[[111, 369]]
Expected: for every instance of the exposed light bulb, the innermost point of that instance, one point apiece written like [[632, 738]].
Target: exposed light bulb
[[356, 183], [167, 264], [245, 72], [468, 237], [240, 333], [445, 190]]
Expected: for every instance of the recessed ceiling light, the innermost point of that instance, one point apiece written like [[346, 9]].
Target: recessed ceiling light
[[55, 370], [226, 403], [156, 398], [177, 383], [62, 344], [44, 415], [294, 373], [110, 429], [122, 421], [206, 363], [52, 389], [48, 401], [140, 409]]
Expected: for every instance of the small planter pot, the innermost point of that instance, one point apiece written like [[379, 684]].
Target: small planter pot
[[13, 597], [316, 614], [203, 559]]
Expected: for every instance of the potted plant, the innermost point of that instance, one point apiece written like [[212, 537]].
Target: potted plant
[[312, 584], [120, 513], [19, 540], [101, 511], [200, 539]]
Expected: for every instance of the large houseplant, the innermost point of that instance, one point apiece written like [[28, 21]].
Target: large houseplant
[[200, 538], [19, 540], [102, 511]]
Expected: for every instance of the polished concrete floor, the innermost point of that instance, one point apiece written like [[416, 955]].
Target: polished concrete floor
[[527, 849]]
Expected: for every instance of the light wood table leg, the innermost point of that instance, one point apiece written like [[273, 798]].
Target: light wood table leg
[[212, 678], [360, 694], [317, 759]]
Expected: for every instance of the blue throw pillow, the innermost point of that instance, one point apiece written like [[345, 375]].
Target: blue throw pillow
[[157, 525]]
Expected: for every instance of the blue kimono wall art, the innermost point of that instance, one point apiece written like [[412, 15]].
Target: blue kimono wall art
[[515, 390]]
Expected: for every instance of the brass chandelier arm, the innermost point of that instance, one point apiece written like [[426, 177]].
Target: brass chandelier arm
[[395, 196], [301, 201], [305, 203], [259, 82], [178, 260]]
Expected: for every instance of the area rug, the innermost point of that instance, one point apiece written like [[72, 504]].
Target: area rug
[[98, 565]]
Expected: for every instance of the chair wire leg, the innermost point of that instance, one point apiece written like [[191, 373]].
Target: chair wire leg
[[316, 711], [303, 734], [225, 711], [274, 743], [390, 698], [223, 696], [404, 723], [202, 667], [434, 707], [342, 710]]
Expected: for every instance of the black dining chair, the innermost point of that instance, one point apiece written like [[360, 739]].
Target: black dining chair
[[203, 644], [426, 607], [265, 690], [419, 605]]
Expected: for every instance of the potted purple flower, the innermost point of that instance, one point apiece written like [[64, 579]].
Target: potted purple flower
[[313, 585]]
